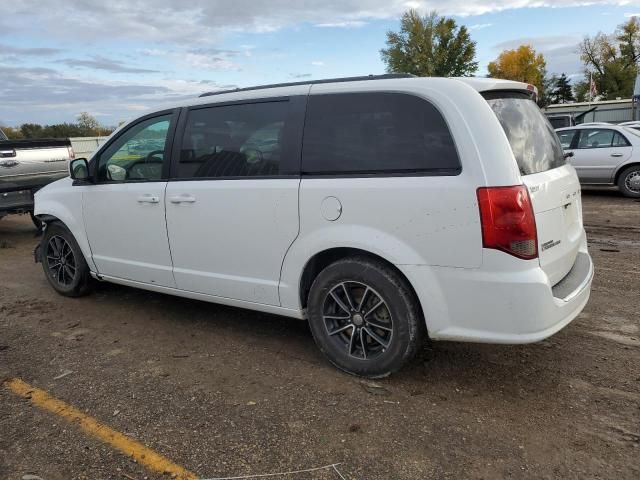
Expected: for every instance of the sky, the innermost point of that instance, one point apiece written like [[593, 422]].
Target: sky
[[118, 59]]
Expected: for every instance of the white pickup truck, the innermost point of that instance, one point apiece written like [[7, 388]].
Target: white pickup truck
[[25, 167]]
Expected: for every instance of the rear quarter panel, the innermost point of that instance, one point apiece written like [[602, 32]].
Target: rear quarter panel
[[408, 220]]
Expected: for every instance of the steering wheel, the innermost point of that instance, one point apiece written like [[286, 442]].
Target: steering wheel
[[137, 168], [151, 158]]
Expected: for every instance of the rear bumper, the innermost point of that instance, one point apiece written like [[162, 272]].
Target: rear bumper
[[510, 305], [21, 200]]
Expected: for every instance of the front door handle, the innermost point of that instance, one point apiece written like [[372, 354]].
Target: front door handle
[[184, 198], [147, 198], [616, 154]]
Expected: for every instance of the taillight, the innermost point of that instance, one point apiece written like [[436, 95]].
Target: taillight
[[508, 222], [72, 154]]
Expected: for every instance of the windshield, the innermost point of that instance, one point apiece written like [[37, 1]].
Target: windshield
[[532, 138]]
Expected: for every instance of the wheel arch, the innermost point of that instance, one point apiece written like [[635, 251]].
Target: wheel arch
[[324, 258], [622, 168], [56, 212]]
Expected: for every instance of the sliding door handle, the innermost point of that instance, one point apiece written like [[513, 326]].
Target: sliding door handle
[[184, 198]]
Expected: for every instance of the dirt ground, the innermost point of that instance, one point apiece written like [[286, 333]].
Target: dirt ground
[[228, 392]]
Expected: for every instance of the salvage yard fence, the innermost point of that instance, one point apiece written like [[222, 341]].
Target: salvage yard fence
[[85, 146]]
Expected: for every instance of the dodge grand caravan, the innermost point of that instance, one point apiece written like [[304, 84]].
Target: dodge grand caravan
[[381, 209]]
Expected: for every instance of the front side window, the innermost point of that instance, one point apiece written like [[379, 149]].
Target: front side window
[[137, 154], [360, 133], [245, 140]]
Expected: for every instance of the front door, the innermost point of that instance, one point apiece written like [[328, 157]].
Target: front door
[[232, 202], [124, 212], [597, 152]]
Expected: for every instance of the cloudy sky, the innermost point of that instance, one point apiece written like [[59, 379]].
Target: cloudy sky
[[116, 59]]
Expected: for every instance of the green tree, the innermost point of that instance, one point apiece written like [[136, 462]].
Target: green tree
[[430, 46], [611, 60], [522, 64], [545, 95], [581, 91], [562, 91], [31, 130], [88, 124]]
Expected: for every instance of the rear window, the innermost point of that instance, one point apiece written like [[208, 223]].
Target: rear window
[[361, 133], [532, 138]]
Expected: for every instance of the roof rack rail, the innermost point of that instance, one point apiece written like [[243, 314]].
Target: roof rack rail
[[313, 82]]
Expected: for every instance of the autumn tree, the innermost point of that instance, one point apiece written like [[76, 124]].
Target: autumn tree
[[522, 64], [611, 60], [430, 46], [12, 133]]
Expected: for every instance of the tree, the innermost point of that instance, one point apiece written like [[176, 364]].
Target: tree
[[88, 124], [13, 133], [546, 94], [522, 64], [430, 46], [611, 60], [562, 91]]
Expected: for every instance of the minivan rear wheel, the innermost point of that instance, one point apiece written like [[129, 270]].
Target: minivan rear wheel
[[364, 317], [629, 182]]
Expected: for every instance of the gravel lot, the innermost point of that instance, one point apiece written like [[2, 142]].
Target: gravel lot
[[224, 392]]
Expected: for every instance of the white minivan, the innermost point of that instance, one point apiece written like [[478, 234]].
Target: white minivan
[[380, 209]]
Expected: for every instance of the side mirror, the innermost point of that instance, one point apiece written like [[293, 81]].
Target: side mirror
[[79, 169]]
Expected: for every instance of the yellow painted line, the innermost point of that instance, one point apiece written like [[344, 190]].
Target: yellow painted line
[[143, 455]]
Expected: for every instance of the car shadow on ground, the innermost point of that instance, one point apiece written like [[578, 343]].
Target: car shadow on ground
[[519, 370]]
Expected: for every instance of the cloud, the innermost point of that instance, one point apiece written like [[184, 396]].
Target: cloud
[[206, 58], [30, 51], [299, 75], [205, 21], [346, 24], [480, 26], [318, 63], [560, 51], [98, 62], [54, 95], [629, 15]]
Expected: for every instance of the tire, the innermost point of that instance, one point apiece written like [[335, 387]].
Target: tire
[[629, 182], [397, 323], [63, 263]]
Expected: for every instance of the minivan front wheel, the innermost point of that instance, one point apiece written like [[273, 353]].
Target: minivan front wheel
[[364, 317], [63, 262], [629, 182]]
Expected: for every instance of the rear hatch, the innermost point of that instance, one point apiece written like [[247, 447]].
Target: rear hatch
[[553, 185]]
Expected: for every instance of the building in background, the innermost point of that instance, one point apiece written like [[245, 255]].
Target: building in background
[[610, 111]]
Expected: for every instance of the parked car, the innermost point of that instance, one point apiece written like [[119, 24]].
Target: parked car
[[26, 166], [635, 125], [380, 209], [604, 155]]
